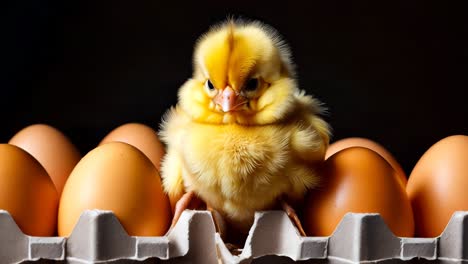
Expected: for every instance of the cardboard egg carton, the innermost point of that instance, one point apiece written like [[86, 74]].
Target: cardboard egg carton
[[98, 237]]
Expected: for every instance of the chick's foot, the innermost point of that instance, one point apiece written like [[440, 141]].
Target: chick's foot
[[293, 216], [189, 200]]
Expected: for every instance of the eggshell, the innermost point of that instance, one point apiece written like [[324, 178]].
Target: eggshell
[[117, 177], [367, 143], [27, 192], [357, 180], [438, 185], [51, 148], [140, 136]]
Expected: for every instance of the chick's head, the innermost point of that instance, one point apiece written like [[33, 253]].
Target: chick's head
[[242, 74]]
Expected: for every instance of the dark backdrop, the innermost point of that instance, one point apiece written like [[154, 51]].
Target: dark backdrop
[[395, 74]]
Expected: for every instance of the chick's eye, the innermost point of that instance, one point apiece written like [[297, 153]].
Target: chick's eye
[[251, 84], [209, 85]]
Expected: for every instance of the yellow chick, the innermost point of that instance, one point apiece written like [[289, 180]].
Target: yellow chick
[[242, 137]]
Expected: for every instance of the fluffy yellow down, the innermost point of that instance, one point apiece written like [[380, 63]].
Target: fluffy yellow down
[[243, 161]]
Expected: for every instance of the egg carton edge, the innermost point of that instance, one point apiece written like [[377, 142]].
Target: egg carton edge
[[359, 238]]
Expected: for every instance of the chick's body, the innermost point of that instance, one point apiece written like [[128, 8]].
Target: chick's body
[[242, 135]]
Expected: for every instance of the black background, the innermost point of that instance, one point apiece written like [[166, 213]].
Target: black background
[[393, 73]]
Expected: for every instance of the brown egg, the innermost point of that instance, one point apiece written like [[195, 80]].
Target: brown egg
[[140, 136], [438, 185], [27, 192], [357, 180], [367, 143], [51, 148], [117, 177]]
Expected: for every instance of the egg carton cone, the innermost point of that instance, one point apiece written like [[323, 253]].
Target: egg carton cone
[[98, 237], [17, 247]]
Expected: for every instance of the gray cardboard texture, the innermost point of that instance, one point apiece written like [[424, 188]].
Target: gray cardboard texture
[[98, 237], [16, 246], [453, 243]]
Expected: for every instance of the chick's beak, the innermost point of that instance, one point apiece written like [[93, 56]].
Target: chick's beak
[[229, 100]]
